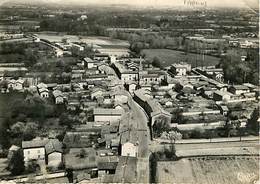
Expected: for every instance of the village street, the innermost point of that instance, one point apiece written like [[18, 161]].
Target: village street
[[137, 122]]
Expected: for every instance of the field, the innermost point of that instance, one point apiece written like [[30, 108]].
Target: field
[[96, 40], [229, 170], [168, 57]]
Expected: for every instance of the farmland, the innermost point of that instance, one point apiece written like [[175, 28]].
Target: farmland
[[209, 170], [98, 40], [168, 57]]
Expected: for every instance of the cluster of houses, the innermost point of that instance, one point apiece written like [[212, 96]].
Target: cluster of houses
[[181, 96]]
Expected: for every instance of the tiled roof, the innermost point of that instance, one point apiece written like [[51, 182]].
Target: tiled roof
[[54, 145], [101, 111], [34, 143]]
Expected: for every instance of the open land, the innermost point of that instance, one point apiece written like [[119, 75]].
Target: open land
[[232, 170], [168, 57], [97, 40]]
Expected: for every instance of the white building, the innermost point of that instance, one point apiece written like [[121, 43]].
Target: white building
[[120, 98], [129, 149], [58, 96], [180, 69], [132, 87], [11, 84], [54, 152], [44, 92], [90, 63], [34, 150], [238, 89], [47, 151], [111, 115], [222, 96], [19, 84]]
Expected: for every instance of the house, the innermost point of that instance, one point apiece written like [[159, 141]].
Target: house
[[222, 96], [91, 63], [152, 108], [119, 97], [125, 74], [188, 91], [224, 110], [11, 84], [238, 89], [58, 52], [207, 91], [77, 74], [129, 149], [47, 151], [77, 47], [101, 57], [12, 150], [180, 69], [54, 152], [34, 150], [212, 72], [58, 96], [96, 77], [97, 92], [131, 87], [111, 115], [119, 107], [44, 92], [42, 85], [18, 84], [150, 79]]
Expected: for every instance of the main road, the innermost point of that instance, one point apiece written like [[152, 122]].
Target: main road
[[138, 125]]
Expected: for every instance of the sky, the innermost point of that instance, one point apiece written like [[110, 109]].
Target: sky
[[144, 3]]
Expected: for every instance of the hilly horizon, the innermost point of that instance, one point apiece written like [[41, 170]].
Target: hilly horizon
[[144, 3]]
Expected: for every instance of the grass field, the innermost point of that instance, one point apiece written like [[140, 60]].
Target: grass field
[[233, 170], [97, 40], [168, 57]]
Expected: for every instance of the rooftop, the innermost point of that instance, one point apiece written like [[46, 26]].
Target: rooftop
[[35, 143], [54, 145], [103, 111]]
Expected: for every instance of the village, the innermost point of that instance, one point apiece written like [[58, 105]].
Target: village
[[105, 109], [123, 105]]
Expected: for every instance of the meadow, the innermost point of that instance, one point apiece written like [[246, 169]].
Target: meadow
[[168, 57]]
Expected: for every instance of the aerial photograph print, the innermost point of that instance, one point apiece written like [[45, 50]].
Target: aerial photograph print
[[129, 91]]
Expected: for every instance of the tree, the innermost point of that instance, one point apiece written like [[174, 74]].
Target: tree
[[82, 153], [174, 135], [160, 125], [17, 129], [16, 163], [32, 166], [253, 123], [197, 133], [156, 62], [30, 131]]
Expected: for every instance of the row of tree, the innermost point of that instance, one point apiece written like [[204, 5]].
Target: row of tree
[[238, 71]]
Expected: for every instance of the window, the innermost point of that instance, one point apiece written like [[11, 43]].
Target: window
[[28, 152], [39, 151]]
